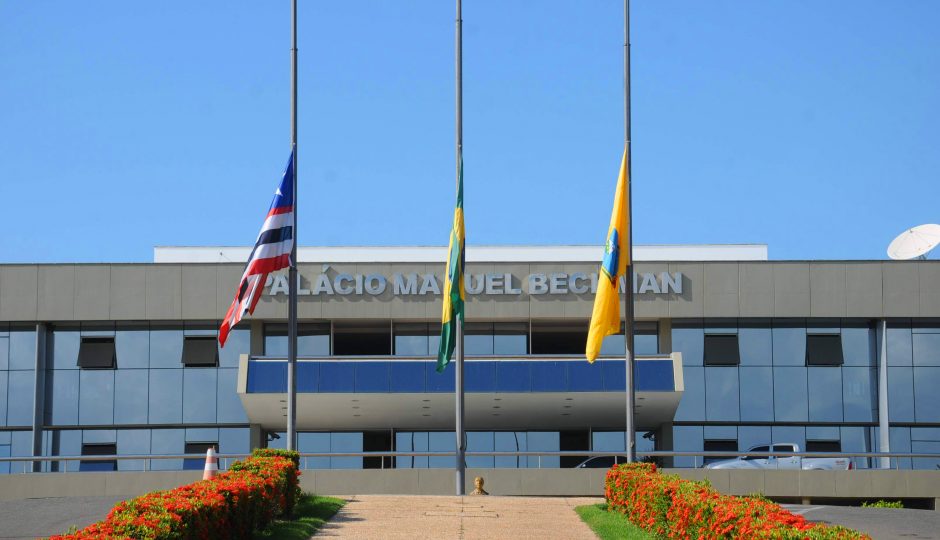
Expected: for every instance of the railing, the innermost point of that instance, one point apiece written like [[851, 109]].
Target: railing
[[224, 459]]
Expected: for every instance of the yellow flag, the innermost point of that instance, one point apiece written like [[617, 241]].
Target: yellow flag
[[605, 319]]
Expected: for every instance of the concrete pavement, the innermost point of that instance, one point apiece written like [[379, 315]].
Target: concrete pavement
[[878, 523], [383, 517], [36, 518]]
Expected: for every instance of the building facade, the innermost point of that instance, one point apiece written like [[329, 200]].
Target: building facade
[[735, 351]]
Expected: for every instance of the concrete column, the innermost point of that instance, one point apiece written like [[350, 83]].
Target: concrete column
[[884, 438], [665, 336], [257, 337], [256, 436], [39, 394], [664, 442]]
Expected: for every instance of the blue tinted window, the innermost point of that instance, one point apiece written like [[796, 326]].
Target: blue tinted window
[[721, 393], [230, 409], [237, 344], [314, 443], [751, 436], [858, 345], [789, 339], [855, 439], [900, 351], [96, 396], [411, 339], [478, 339], [757, 394], [789, 434], [166, 396], [132, 346], [22, 347], [790, 399], [689, 339], [927, 394], [199, 395], [3, 399], [755, 343], [234, 441], [441, 441], [20, 398], [901, 394], [926, 349], [900, 441], [62, 401], [692, 404], [825, 394], [313, 339], [166, 347], [543, 441], [131, 442], [858, 393], [130, 396], [511, 338], [167, 441], [65, 344], [480, 441], [4, 352], [510, 441], [687, 439]]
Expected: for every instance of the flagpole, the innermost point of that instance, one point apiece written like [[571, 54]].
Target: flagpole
[[630, 428], [292, 272], [458, 371]]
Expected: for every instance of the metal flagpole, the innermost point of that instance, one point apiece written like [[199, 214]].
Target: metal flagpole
[[292, 272], [630, 431], [458, 371]]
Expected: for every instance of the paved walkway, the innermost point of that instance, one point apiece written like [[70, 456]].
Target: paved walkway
[[32, 518], [876, 522], [385, 517]]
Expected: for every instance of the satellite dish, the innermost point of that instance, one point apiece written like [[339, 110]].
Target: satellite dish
[[915, 243]]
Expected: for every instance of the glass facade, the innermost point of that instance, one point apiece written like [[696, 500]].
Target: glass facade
[[151, 403]]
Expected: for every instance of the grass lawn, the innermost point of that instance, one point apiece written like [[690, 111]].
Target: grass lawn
[[611, 525], [310, 514]]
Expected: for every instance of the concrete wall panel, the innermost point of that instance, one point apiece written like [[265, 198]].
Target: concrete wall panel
[[164, 292], [929, 280], [56, 292], [18, 292], [827, 290], [721, 286], [647, 306], [92, 292], [755, 290], [791, 290], [199, 284], [691, 303], [901, 287], [863, 294], [128, 295]]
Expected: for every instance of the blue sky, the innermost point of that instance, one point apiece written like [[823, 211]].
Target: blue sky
[[811, 126]]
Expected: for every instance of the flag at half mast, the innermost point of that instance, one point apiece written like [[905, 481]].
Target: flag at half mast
[[454, 294], [605, 319], [271, 252]]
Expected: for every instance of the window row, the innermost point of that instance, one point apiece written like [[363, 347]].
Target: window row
[[96, 347], [384, 338]]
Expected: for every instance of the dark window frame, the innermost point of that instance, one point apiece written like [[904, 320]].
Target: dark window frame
[[730, 445], [819, 347], [99, 449], [93, 349], [194, 356], [726, 354], [197, 447]]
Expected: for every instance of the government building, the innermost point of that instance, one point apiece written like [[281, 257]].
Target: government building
[[734, 350]]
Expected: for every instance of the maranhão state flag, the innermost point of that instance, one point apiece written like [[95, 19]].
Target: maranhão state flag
[[605, 319], [271, 252]]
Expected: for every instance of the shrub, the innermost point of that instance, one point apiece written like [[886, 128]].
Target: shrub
[[671, 507], [231, 505], [881, 503]]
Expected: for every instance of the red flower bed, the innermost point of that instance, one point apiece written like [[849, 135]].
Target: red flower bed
[[671, 507], [232, 505]]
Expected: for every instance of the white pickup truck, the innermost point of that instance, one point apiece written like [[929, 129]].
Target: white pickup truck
[[783, 461]]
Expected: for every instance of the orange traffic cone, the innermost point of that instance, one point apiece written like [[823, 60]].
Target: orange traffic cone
[[212, 465]]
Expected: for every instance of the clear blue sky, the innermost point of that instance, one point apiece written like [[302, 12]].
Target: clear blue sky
[[812, 126]]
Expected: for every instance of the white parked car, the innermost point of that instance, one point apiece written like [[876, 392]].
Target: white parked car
[[783, 462]]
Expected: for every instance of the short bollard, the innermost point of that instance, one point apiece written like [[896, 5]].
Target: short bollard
[[212, 465]]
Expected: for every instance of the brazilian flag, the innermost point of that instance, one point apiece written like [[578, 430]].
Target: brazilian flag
[[454, 294]]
